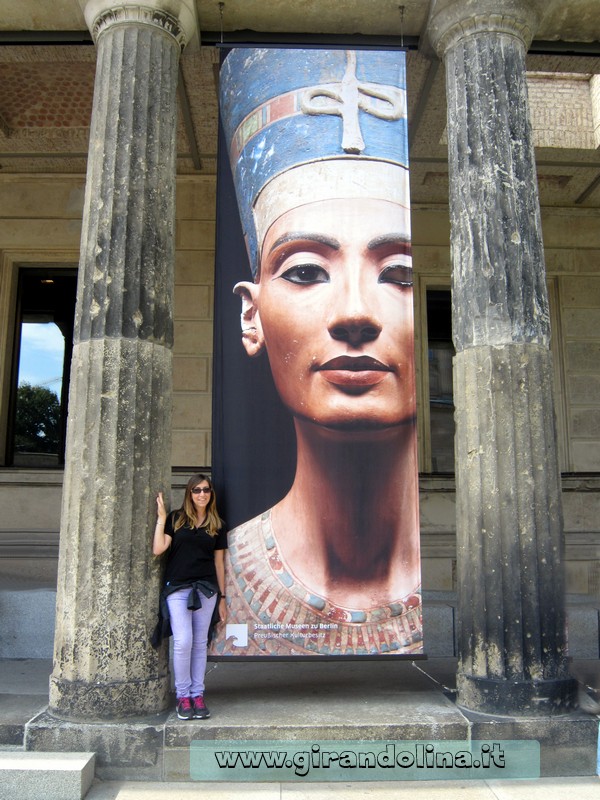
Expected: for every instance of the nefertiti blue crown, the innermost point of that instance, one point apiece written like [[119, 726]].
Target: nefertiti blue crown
[[285, 108]]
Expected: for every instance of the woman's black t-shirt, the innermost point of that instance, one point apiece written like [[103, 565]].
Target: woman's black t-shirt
[[192, 553]]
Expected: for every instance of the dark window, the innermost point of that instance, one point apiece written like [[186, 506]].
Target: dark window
[[41, 366], [441, 402]]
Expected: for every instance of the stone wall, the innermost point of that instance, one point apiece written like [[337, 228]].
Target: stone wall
[[40, 220], [194, 290], [572, 247], [561, 110]]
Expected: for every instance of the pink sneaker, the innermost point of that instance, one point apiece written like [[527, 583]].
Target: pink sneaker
[[184, 708], [200, 709]]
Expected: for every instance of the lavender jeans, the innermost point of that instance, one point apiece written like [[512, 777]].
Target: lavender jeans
[[190, 637]]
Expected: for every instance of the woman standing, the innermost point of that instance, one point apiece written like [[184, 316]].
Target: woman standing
[[195, 539]]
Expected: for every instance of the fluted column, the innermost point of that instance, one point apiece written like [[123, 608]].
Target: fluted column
[[119, 426], [509, 521]]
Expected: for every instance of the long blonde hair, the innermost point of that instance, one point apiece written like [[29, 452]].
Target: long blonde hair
[[187, 513]]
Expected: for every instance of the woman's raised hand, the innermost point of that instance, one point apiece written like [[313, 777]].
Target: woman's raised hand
[[160, 540], [161, 511]]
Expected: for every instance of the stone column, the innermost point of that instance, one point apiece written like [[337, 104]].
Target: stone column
[[119, 427], [509, 520]]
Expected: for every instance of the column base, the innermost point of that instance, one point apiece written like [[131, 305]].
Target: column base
[[129, 750], [508, 698], [80, 700]]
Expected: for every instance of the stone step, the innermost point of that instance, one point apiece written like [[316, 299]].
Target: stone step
[[53, 776], [23, 694], [16, 710]]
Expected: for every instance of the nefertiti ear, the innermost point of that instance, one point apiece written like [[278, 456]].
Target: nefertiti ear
[[252, 333]]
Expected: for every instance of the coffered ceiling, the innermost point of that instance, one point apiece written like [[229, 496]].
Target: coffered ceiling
[[47, 65]]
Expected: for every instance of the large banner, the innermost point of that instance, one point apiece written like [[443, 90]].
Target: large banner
[[314, 449]]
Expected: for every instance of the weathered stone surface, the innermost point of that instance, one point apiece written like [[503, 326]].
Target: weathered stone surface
[[176, 17], [119, 429], [454, 20], [499, 282], [511, 595], [128, 226], [509, 523], [54, 776], [511, 636], [566, 741], [313, 702], [125, 750], [119, 445]]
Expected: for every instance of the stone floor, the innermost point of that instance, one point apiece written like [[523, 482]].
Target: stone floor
[[543, 789], [296, 701]]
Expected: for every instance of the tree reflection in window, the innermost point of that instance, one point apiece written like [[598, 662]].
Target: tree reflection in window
[[43, 345]]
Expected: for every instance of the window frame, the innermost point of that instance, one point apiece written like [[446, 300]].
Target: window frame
[[426, 283], [441, 283], [11, 263]]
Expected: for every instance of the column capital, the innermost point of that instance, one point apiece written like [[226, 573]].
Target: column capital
[[453, 20], [176, 17]]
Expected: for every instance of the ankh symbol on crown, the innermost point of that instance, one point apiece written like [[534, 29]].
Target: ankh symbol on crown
[[348, 97]]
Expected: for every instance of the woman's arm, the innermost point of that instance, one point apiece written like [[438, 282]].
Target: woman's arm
[[220, 570], [161, 540]]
